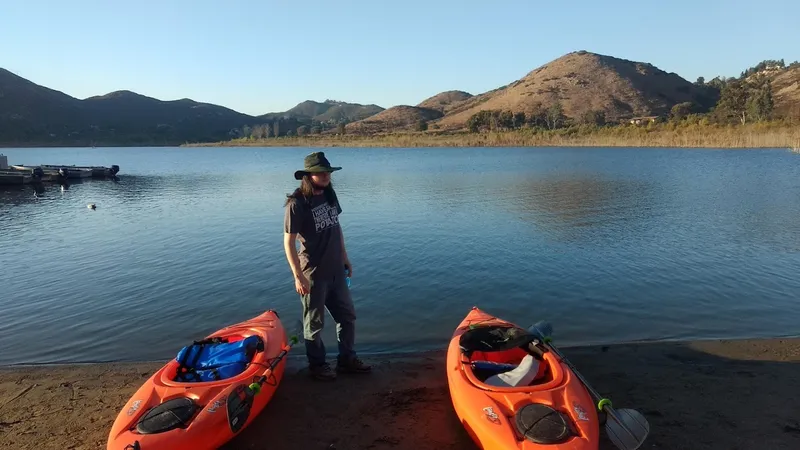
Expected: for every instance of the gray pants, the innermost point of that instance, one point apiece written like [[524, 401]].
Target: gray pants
[[335, 296]]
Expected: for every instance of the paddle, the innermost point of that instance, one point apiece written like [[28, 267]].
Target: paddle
[[629, 428], [293, 339], [241, 398]]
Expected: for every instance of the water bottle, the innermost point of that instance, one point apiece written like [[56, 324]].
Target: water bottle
[[347, 276]]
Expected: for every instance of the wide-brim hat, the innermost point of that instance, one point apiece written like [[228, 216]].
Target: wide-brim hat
[[315, 163]]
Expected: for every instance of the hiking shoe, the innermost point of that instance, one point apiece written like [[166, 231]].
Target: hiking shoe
[[322, 372], [353, 365]]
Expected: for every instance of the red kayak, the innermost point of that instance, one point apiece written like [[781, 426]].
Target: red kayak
[[206, 395]]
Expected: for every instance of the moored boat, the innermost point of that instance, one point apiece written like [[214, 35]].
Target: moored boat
[[93, 171], [40, 174], [13, 177]]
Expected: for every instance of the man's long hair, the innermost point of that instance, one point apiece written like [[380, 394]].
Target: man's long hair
[[306, 191]]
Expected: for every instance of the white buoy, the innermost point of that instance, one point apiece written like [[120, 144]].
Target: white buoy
[[91, 206]]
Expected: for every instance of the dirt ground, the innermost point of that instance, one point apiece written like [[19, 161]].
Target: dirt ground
[[702, 395]]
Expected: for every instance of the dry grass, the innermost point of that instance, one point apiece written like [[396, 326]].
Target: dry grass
[[761, 135]]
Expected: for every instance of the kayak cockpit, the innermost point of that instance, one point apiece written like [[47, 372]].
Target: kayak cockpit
[[507, 358], [216, 359]]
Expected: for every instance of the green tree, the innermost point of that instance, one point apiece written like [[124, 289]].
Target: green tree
[[259, 132], [422, 125], [483, 119], [519, 119], [681, 110], [717, 83], [733, 101], [592, 117], [340, 128], [536, 117], [760, 103], [554, 116], [505, 120]]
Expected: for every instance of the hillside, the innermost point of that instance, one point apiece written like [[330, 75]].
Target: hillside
[[786, 92], [330, 111], [28, 110], [30, 113], [584, 82], [444, 102], [130, 114], [33, 114], [396, 118], [579, 87]]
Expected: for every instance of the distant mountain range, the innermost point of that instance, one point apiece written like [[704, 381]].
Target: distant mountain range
[[580, 82]]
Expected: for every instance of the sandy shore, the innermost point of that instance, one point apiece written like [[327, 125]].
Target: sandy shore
[[700, 395]]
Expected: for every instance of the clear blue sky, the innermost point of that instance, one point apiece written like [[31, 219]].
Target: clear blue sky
[[268, 55]]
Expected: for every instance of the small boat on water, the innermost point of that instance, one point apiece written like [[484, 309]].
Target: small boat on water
[[93, 171], [51, 171], [10, 176], [39, 174], [21, 173]]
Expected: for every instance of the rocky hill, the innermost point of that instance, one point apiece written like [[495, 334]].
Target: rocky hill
[[329, 111], [396, 118], [584, 82], [444, 102]]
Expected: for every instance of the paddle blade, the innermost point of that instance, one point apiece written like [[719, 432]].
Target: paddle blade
[[238, 405], [627, 428], [296, 333], [541, 329]]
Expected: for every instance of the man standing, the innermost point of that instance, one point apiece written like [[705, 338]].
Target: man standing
[[312, 215]]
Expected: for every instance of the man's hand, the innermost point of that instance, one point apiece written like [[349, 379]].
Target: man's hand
[[301, 284], [348, 266]]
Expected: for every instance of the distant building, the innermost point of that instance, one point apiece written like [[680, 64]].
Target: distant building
[[642, 120]]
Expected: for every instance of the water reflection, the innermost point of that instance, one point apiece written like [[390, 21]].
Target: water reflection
[[630, 242], [578, 207]]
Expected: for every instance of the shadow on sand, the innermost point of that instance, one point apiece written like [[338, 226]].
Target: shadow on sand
[[706, 395]]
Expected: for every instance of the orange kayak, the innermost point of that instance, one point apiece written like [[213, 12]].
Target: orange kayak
[[205, 408], [510, 393]]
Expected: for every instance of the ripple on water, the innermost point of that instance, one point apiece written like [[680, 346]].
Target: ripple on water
[[608, 244]]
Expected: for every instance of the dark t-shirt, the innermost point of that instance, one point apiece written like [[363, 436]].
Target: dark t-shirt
[[317, 228]]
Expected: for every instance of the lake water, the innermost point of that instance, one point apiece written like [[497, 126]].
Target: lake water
[[611, 245]]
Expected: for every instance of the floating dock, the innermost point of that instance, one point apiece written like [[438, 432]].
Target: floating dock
[[22, 174], [9, 176]]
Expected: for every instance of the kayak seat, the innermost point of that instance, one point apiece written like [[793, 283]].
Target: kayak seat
[[504, 356], [216, 358], [521, 375], [529, 370]]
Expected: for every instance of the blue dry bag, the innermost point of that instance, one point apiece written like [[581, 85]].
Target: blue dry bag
[[216, 358]]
